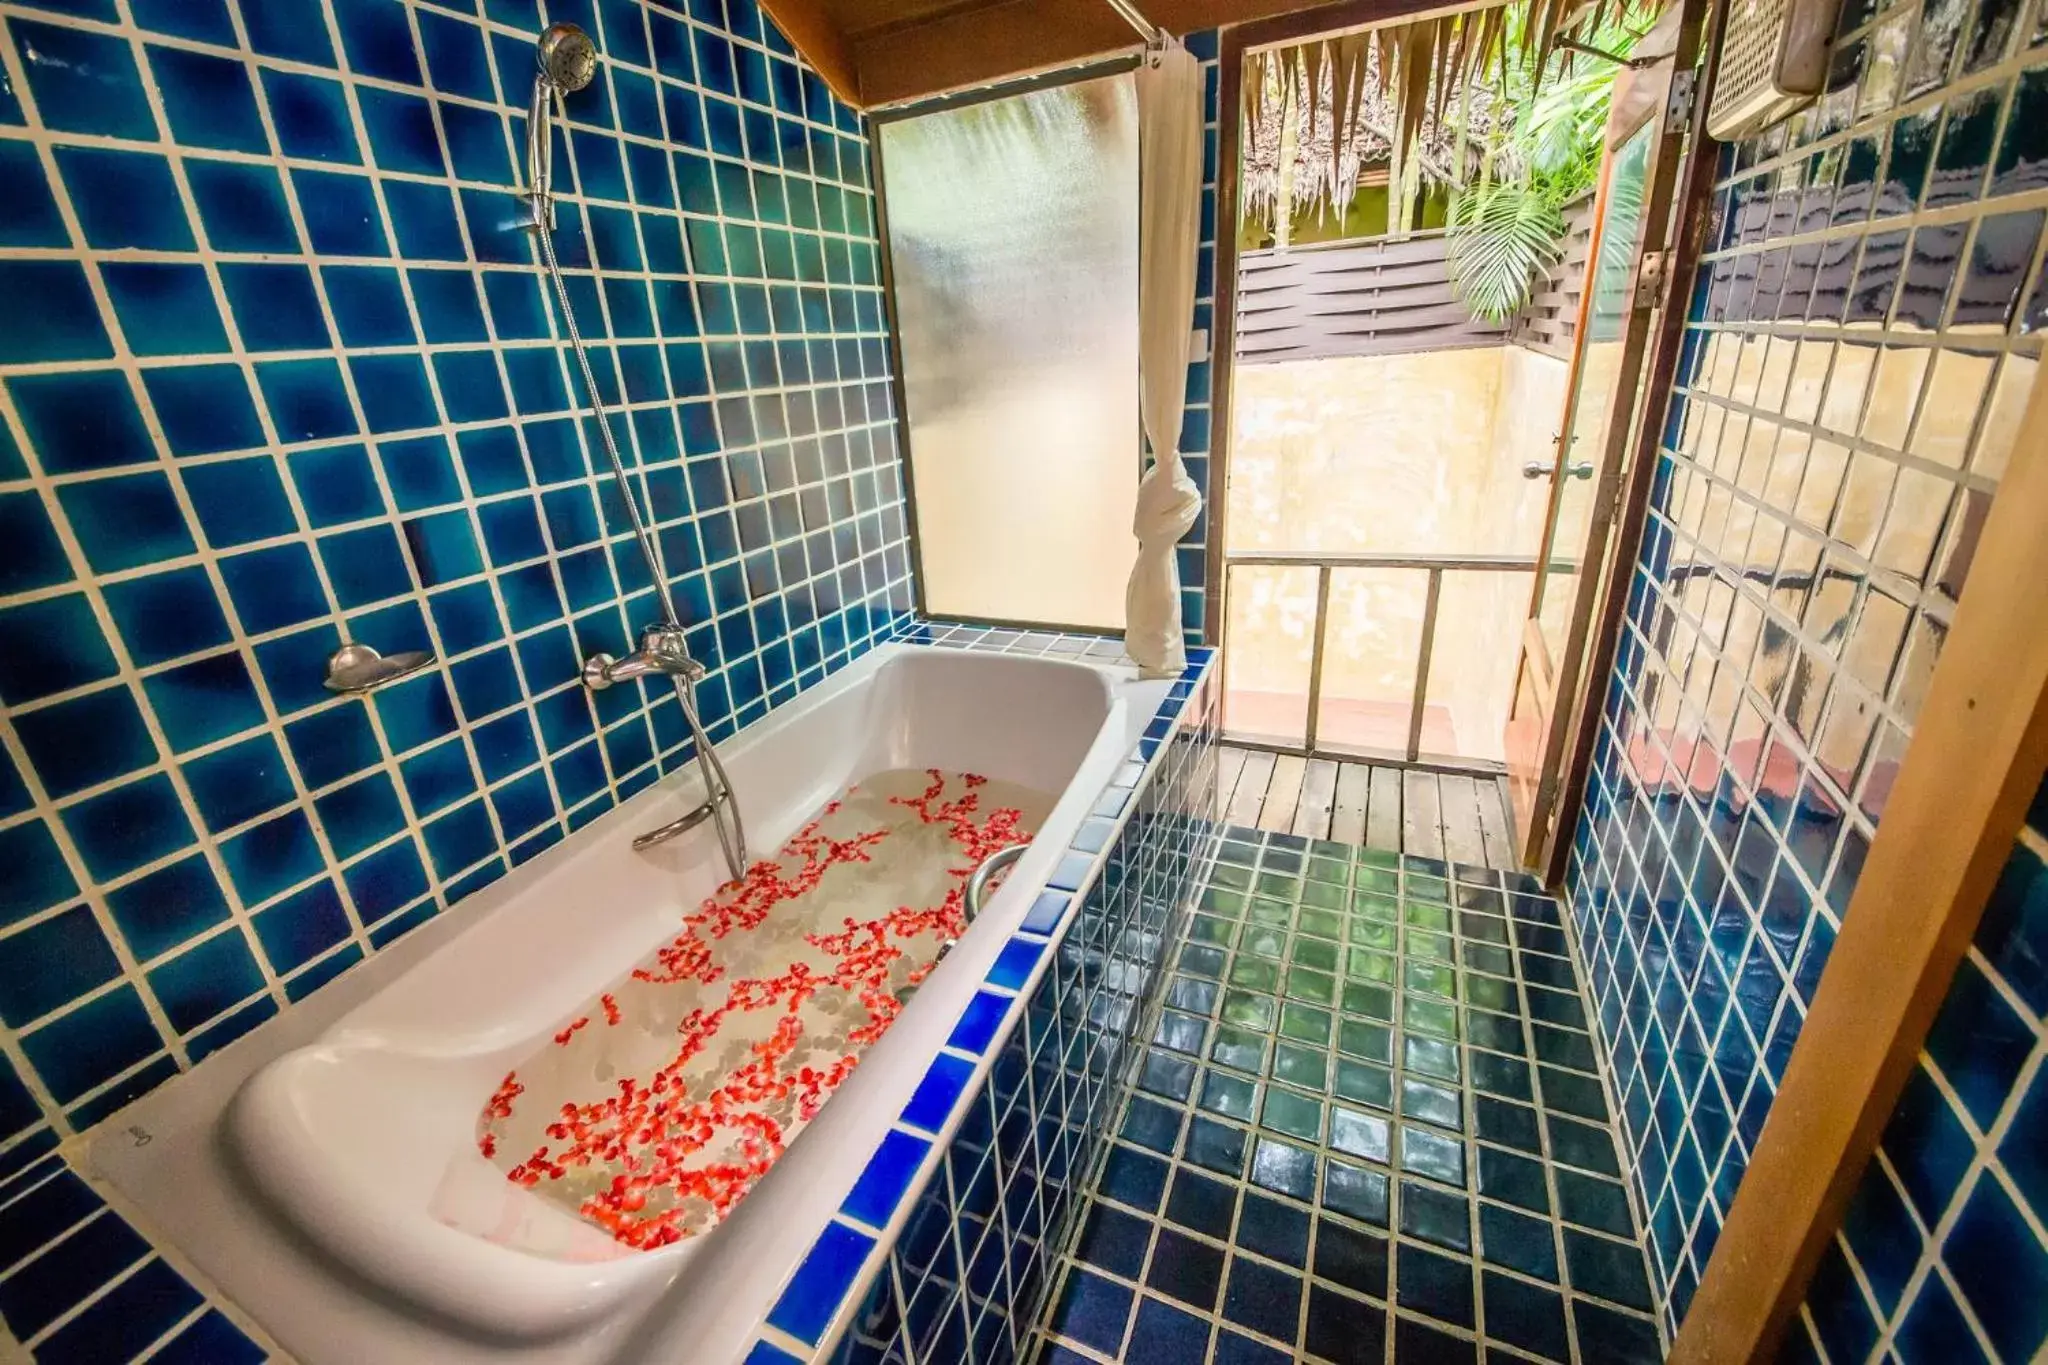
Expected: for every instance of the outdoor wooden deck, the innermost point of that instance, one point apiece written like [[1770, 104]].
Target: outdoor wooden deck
[[1430, 814]]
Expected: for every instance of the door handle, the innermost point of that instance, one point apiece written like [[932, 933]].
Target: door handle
[[1540, 469]]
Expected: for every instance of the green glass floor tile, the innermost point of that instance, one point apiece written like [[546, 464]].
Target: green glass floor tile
[[1306, 1067], [1432, 1154], [1420, 887], [1368, 964], [1317, 953], [1292, 1114], [1360, 1135], [1210, 929], [1503, 1076], [1429, 947], [1367, 1084], [1495, 1031], [1435, 978], [1430, 1056], [1264, 911], [1243, 1048], [1322, 923], [1228, 904], [1181, 1032], [1374, 1042], [1484, 928], [1231, 878], [1436, 1216], [1374, 1002], [1305, 1024], [1280, 885], [1255, 973], [1201, 959], [1356, 1192], [1493, 994], [1383, 858], [1372, 933], [1318, 988], [1432, 1104], [1424, 1015], [1262, 940], [1323, 896], [1193, 994], [1376, 904], [1249, 1010], [1332, 867], [1426, 916], [1484, 957], [1231, 1096]]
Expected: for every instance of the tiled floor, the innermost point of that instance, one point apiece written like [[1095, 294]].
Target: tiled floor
[[1369, 1128]]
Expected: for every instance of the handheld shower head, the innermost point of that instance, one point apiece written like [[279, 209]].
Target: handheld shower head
[[567, 57]]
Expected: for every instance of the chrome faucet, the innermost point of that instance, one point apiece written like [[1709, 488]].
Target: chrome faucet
[[662, 654]]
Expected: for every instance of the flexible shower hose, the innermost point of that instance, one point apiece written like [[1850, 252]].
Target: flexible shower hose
[[725, 808]]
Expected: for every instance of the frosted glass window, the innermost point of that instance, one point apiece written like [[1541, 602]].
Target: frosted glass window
[[1013, 235]]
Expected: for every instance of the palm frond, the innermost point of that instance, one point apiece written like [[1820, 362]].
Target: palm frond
[[1502, 235]]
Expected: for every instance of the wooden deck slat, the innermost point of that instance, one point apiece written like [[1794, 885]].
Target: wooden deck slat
[[1383, 816], [1347, 816], [1283, 794], [1422, 830], [1318, 795], [1250, 796], [1458, 803], [1229, 765], [1496, 826]]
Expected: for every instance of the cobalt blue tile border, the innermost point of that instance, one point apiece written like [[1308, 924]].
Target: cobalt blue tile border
[[276, 370], [961, 1232], [1863, 331]]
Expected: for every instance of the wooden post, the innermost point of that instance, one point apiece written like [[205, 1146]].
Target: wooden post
[[1976, 758]]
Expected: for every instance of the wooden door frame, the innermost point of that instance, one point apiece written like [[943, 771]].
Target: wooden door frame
[[1976, 758], [1636, 406]]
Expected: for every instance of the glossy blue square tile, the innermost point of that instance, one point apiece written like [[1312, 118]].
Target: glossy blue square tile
[[274, 588], [415, 712], [29, 217], [476, 144], [270, 858], [439, 777], [394, 392], [157, 912], [165, 309], [38, 877], [239, 501], [302, 926], [311, 116], [36, 558], [369, 306], [241, 206], [204, 409], [234, 785], [377, 40], [306, 398], [812, 1299], [455, 58], [208, 100], [85, 741], [932, 1103], [127, 521], [166, 616], [365, 565], [420, 472], [362, 814], [471, 390], [128, 826], [333, 744], [448, 305], [342, 219], [48, 313], [88, 1047], [50, 646], [81, 421], [461, 839], [84, 82], [423, 219], [1980, 1042], [205, 700], [402, 133], [276, 307], [2025, 1148], [466, 618], [206, 980], [386, 881], [443, 548]]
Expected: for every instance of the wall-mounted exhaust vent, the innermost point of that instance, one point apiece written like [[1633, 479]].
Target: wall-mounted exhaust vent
[[1774, 58]]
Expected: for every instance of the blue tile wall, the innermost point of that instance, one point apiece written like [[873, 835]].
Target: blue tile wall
[[1941, 1254], [945, 1250], [1861, 341], [1197, 439], [277, 370]]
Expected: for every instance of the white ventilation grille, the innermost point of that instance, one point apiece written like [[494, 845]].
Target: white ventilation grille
[[1774, 58]]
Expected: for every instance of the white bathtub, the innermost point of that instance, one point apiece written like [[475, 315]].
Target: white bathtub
[[359, 1137]]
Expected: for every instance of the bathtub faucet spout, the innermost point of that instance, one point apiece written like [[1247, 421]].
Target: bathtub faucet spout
[[661, 654]]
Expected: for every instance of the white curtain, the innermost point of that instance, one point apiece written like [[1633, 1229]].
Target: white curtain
[[1169, 232]]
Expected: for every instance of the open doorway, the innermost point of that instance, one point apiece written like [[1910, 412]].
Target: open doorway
[[1437, 227]]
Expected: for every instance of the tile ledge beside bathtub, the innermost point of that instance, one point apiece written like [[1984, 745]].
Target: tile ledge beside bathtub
[[815, 1305], [207, 1313]]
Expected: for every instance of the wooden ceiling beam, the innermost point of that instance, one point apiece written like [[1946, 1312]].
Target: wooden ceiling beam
[[815, 33]]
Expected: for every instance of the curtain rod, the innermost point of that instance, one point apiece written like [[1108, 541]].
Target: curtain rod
[[1153, 35]]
